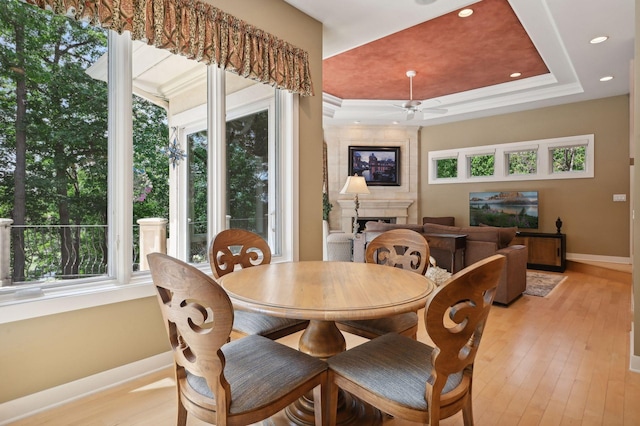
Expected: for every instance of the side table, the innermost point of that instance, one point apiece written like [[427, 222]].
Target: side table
[[547, 251], [450, 243]]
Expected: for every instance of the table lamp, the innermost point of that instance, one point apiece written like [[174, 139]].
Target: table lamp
[[355, 185]]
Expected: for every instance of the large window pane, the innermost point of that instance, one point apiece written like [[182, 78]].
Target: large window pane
[[197, 155], [150, 167], [248, 173], [53, 144]]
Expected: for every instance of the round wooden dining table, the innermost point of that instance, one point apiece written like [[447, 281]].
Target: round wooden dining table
[[325, 292]]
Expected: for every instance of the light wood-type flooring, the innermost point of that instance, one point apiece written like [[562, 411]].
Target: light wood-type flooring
[[559, 360]]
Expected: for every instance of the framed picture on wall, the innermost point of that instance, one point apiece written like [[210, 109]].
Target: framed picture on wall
[[379, 165]]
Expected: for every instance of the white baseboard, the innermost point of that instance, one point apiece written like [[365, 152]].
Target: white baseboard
[[597, 258], [29, 405]]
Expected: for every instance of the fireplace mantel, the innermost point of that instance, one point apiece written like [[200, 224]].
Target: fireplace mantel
[[398, 209]]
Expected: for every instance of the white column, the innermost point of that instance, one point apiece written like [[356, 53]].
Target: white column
[[120, 214], [153, 238], [217, 152], [5, 252]]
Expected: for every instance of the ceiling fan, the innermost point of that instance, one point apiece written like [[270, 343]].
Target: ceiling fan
[[412, 105]]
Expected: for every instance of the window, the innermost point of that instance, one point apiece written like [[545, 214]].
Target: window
[[522, 162], [54, 146], [254, 166], [481, 165], [560, 158], [568, 159], [447, 168], [150, 171], [248, 173], [197, 160], [96, 135]]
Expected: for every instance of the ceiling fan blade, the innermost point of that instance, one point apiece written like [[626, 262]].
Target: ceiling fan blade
[[435, 110], [411, 106]]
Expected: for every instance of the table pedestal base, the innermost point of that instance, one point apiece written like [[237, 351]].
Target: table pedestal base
[[322, 339], [353, 412]]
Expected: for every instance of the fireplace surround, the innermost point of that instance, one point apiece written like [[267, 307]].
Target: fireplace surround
[[398, 202], [396, 211]]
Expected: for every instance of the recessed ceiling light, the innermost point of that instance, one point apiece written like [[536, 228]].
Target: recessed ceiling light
[[465, 13], [600, 39], [356, 122], [422, 2], [515, 75], [607, 78], [396, 122]]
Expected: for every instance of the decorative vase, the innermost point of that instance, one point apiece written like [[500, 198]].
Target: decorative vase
[[558, 225]]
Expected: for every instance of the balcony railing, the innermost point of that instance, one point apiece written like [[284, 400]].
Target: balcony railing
[[57, 252], [41, 253]]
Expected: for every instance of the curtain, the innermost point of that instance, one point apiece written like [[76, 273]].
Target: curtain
[[199, 31]]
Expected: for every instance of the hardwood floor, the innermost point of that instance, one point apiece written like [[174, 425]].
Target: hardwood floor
[[559, 360]]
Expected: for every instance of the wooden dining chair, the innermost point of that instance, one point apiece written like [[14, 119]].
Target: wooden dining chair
[[244, 249], [236, 383], [399, 248], [414, 381]]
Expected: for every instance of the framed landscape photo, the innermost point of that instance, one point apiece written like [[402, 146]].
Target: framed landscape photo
[[379, 165]]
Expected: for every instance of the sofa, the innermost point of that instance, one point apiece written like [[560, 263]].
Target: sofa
[[480, 242]]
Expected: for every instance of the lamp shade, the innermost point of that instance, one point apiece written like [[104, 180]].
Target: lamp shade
[[355, 185]]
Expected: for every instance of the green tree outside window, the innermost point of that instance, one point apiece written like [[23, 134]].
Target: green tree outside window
[[447, 168]]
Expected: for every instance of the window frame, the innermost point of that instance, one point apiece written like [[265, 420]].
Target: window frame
[[434, 163], [283, 143], [522, 149], [246, 106], [549, 152], [121, 283], [544, 164], [481, 153]]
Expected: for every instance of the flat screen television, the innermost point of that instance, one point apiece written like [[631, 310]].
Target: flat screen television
[[505, 208]]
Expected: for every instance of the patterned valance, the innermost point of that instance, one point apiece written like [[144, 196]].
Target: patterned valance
[[199, 31]]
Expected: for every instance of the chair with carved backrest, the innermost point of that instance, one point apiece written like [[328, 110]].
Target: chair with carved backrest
[[211, 373], [400, 248], [245, 249], [414, 381]]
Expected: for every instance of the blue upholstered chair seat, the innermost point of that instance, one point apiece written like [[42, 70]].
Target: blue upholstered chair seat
[[255, 323], [396, 323], [252, 388], [398, 371]]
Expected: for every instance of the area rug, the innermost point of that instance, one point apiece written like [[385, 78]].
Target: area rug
[[542, 283]]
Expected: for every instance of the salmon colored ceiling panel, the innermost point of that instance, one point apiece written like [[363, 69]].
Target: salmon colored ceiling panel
[[450, 55]]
